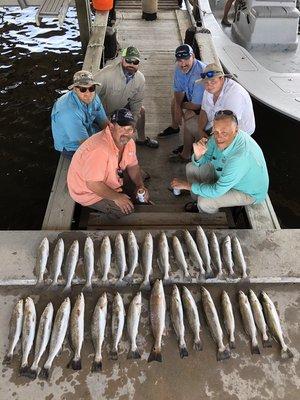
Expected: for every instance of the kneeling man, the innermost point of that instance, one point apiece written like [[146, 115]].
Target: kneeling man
[[229, 170], [95, 176]]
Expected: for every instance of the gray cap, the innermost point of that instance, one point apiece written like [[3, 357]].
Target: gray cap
[[84, 79]]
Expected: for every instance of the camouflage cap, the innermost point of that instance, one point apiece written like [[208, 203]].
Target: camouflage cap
[[83, 79], [131, 53]]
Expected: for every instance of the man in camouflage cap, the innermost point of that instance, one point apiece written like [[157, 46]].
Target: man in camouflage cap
[[77, 114], [123, 86]]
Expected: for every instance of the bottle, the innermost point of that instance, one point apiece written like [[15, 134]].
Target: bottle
[[141, 195], [176, 192]]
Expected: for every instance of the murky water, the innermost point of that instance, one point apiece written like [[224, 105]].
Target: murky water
[[36, 66]]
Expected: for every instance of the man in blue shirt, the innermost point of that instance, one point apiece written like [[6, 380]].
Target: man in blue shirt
[[229, 170], [187, 99], [77, 114]]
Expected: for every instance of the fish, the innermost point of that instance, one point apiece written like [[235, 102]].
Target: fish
[[117, 324], [180, 258], [215, 254], [77, 331], [214, 324], [42, 339], [157, 319], [147, 256], [203, 248], [228, 318], [227, 257], [120, 255], [98, 331], [163, 256], [248, 321], [88, 263], [41, 260], [57, 260], [71, 262], [15, 330], [133, 255], [176, 311], [238, 256], [58, 334], [28, 333], [259, 318], [192, 315], [274, 325], [193, 251], [133, 319], [105, 257]]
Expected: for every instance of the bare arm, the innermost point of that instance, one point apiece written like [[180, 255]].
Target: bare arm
[[188, 105], [202, 123]]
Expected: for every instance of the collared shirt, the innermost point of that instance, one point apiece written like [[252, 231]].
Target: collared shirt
[[186, 82], [74, 121], [241, 166], [232, 97], [97, 159]]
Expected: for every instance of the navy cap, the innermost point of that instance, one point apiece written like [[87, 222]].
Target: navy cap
[[183, 52], [122, 117]]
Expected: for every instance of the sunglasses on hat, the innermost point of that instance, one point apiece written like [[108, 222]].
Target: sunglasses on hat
[[134, 62], [226, 112], [209, 74], [91, 89]]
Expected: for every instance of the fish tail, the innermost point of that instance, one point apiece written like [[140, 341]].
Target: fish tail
[[67, 289], [183, 351], [286, 354], [40, 283], [232, 344], [254, 348], [209, 273], [198, 346], [223, 354], [7, 359], [133, 354], [44, 374], [31, 373], [87, 288], [232, 275], [24, 370], [187, 276], [104, 278], [244, 275], [76, 364], [219, 275], [145, 285], [97, 366], [267, 342], [113, 355], [128, 278], [155, 355]]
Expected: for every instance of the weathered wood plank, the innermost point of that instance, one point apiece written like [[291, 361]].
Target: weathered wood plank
[[262, 216]]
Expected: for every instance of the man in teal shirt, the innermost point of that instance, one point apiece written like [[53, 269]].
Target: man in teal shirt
[[229, 170]]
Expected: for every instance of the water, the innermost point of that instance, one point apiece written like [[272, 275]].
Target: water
[[36, 66]]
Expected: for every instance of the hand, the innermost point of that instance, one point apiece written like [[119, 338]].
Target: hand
[[180, 184], [200, 148], [124, 203], [146, 195], [189, 114]]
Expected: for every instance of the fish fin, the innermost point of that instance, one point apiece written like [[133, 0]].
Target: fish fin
[[31, 373], [159, 265], [223, 355], [76, 364], [255, 349], [267, 342], [155, 355], [209, 274], [97, 366], [134, 354], [113, 355], [128, 278], [183, 352], [7, 359], [87, 288], [198, 346], [24, 370], [286, 354], [44, 374], [145, 285], [232, 344]]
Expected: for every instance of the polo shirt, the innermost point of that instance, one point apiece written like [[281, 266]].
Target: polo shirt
[[186, 82], [73, 121], [232, 97], [241, 166], [97, 160]]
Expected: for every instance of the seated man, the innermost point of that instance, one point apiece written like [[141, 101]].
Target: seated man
[[187, 98], [229, 171], [122, 85], [77, 114], [95, 176]]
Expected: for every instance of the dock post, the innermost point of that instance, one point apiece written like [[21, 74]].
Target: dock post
[[84, 20]]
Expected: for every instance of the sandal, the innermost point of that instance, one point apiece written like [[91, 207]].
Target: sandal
[[174, 158], [178, 149], [191, 207], [152, 143], [168, 132]]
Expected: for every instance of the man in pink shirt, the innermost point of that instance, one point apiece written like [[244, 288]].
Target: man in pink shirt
[[99, 168]]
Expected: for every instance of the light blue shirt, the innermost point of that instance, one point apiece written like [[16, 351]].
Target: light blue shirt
[[74, 121], [186, 82], [241, 166]]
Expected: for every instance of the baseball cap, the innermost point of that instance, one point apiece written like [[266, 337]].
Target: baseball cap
[[131, 53], [210, 72], [83, 78], [183, 52], [123, 117]]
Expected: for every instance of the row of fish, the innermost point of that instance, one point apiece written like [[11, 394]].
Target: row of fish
[[23, 322], [203, 254]]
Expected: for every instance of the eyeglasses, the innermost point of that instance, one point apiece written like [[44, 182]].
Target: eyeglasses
[[91, 89], [120, 173], [134, 62], [229, 113], [209, 74]]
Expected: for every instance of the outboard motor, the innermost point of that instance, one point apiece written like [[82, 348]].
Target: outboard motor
[[149, 9]]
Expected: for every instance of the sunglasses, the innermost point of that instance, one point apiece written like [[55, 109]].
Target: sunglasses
[[226, 112], [182, 55], [209, 74], [120, 173], [84, 89], [134, 62]]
